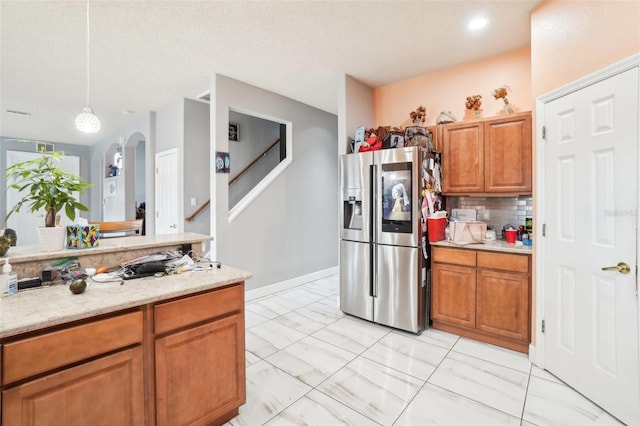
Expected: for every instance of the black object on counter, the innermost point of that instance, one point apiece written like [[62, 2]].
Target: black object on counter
[[29, 283]]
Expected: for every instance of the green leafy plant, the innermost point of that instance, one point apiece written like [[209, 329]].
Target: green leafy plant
[[46, 187], [5, 243]]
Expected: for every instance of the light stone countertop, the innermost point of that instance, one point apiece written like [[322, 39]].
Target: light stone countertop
[[498, 245], [30, 253], [42, 307], [46, 306]]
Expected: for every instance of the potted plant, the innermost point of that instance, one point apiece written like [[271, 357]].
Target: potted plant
[[5, 243], [45, 186]]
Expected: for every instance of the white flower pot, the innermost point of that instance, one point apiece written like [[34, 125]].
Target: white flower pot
[[52, 239]]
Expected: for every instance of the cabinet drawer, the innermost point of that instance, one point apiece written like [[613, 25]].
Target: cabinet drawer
[[191, 310], [38, 354], [455, 256], [504, 261]]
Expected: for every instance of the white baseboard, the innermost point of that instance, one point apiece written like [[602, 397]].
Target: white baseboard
[[533, 356], [270, 289], [532, 353]]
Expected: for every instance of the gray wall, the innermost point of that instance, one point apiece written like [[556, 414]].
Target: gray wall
[[84, 152], [256, 135], [141, 127], [170, 126], [141, 158], [197, 136], [290, 229]]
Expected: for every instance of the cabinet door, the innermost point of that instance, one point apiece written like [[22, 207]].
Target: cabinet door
[[503, 304], [462, 158], [436, 136], [507, 155], [107, 391], [453, 294], [200, 373]]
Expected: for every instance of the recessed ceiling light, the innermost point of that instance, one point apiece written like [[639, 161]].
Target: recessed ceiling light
[[13, 111], [478, 23]]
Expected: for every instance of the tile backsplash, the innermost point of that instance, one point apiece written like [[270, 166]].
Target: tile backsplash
[[496, 211]]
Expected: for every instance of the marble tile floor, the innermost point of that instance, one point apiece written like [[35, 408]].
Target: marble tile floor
[[309, 364]]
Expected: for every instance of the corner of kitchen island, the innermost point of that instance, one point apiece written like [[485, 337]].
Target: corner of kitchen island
[[167, 350]]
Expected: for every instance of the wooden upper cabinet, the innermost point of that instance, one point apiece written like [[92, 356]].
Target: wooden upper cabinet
[[488, 156], [507, 154], [463, 158], [436, 136]]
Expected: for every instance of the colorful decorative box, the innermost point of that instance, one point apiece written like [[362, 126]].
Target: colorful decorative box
[[83, 236]]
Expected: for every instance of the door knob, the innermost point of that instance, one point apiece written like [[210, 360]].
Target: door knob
[[173, 226], [621, 267]]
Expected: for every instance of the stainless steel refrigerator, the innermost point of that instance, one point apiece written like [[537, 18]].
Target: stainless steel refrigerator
[[382, 273]]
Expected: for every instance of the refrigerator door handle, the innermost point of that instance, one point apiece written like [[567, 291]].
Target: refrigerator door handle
[[374, 218], [374, 268]]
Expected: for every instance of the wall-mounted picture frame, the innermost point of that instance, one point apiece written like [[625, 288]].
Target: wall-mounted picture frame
[[223, 162], [234, 132]]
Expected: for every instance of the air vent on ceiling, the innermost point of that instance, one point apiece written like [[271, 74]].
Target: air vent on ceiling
[[44, 147], [16, 112]]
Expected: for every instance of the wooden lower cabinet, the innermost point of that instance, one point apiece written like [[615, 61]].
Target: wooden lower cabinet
[[200, 373], [175, 362], [453, 294], [106, 391], [482, 300], [502, 304]]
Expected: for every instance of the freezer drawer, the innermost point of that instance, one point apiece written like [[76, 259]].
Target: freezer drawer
[[355, 279], [399, 300]]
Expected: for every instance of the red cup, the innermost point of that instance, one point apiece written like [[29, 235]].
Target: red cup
[[436, 229], [511, 235]]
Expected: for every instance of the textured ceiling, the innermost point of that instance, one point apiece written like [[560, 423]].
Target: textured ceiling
[[145, 54]]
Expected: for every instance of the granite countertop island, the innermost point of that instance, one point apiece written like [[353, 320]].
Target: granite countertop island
[[50, 305], [145, 346]]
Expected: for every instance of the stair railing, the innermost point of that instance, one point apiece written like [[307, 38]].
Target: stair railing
[[243, 171]]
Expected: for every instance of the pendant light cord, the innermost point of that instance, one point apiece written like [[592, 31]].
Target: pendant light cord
[[88, 43]]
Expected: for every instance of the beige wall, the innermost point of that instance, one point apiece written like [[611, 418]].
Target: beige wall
[[447, 90], [571, 39]]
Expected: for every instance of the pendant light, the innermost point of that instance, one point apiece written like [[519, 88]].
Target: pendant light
[[87, 121]]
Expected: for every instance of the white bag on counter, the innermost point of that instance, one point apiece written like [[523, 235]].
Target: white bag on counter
[[468, 232]]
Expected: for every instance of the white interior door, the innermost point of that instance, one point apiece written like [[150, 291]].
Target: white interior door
[[25, 222], [591, 209], [167, 193]]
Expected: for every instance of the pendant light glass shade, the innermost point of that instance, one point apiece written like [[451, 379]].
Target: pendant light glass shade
[[87, 121]]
